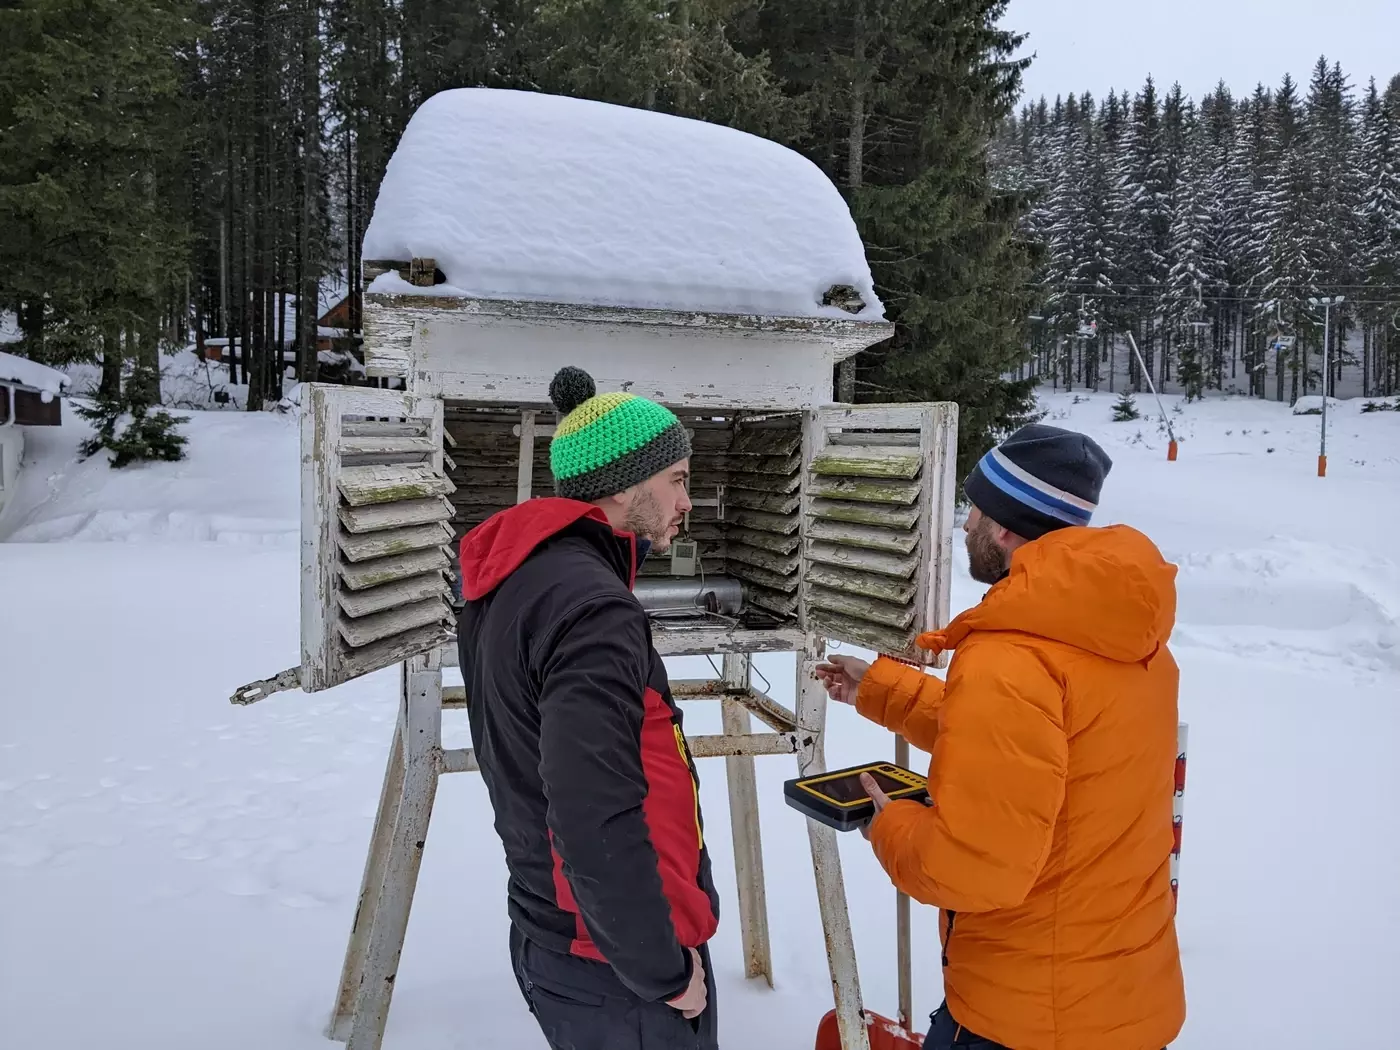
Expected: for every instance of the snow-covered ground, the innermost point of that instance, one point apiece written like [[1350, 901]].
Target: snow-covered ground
[[177, 873]]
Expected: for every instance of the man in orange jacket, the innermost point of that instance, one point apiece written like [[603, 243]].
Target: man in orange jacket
[[1048, 840]]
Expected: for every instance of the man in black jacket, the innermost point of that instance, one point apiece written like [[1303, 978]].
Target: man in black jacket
[[595, 794]]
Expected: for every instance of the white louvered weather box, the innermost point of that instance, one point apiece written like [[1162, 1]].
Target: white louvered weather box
[[714, 272]]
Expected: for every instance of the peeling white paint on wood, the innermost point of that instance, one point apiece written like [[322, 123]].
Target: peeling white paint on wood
[[387, 570], [362, 486], [389, 542], [390, 322], [378, 599], [375, 517], [476, 359], [379, 626]]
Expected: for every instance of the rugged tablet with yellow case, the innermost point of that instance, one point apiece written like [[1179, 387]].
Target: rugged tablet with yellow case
[[838, 800]]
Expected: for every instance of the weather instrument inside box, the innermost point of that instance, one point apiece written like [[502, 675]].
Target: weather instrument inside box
[[839, 800]]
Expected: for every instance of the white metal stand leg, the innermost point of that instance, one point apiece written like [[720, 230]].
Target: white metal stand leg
[[826, 865], [903, 944], [371, 890], [743, 819], [375, 952]]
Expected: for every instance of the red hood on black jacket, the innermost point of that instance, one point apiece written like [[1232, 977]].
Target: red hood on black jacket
[[498, 546], [581, 746]]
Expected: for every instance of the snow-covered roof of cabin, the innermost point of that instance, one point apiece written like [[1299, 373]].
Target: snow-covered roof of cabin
[[519, 195], [20, 371]]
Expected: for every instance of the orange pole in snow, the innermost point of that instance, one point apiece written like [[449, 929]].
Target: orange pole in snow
[[1322, 466], [1147, 374]]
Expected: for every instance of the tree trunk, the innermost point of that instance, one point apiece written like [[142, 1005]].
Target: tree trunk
[[281, 336], [31, 324], [150, 357], [111, 384], [308, 298], [855, 166], [351, 271], [227, 230]]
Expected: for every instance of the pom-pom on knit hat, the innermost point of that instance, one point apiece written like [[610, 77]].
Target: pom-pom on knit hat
[[606, 443]]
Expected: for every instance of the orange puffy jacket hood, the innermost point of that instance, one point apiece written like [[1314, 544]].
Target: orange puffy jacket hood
[[1107, 591], [1048, 843]]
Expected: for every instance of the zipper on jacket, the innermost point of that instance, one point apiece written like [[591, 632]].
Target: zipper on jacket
[[694, 785], [948, 936]]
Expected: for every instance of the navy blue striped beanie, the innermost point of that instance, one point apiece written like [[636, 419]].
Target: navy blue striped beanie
[[1038, 480]]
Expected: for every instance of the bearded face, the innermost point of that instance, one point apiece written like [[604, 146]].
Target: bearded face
[[987, 560], [646, 520], [658, 507]]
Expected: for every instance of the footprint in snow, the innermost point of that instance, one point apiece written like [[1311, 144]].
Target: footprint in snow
[[145, 797], [190, 825], [300, 900], [23, 852], [194, 851], [244, 884]]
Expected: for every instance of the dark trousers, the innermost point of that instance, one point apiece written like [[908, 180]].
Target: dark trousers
[[581, 1005], [945, 1034]]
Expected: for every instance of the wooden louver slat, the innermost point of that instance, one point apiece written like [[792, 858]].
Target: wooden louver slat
[[388, 542], [379, 516], [391, 483]]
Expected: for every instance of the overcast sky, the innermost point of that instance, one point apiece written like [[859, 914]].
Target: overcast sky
[[1102, 44]]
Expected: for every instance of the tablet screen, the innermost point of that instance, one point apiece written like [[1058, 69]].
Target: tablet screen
[[848, 788]]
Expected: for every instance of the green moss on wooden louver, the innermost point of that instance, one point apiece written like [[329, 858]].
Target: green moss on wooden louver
[[864, 541]]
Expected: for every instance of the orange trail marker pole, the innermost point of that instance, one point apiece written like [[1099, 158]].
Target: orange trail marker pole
[[1171, 445]]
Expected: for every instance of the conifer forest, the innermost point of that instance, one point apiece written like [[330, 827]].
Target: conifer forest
[[1214, 231], [173, 171]]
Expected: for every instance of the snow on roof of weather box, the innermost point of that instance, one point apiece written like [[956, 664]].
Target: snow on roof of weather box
[[519, 195], [20, 371]]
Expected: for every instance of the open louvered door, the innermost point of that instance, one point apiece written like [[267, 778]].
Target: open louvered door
[[376, 527], [878, 492]]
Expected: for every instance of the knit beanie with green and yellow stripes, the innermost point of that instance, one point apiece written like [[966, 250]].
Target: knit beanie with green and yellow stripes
[[606, 443]]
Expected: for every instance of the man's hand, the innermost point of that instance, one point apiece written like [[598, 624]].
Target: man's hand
[[841, 675], [692, 1004], [877, 796]]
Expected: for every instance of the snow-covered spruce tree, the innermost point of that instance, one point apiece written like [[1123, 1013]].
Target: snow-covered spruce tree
[[1332, 228], [126, 425], [1144, 185], [1379, 221], [944, 242], [1065, 222], [1125, 408], [1289, 274], [1194, 275]]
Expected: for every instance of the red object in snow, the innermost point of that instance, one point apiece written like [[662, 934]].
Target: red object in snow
[[884, 1034]]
